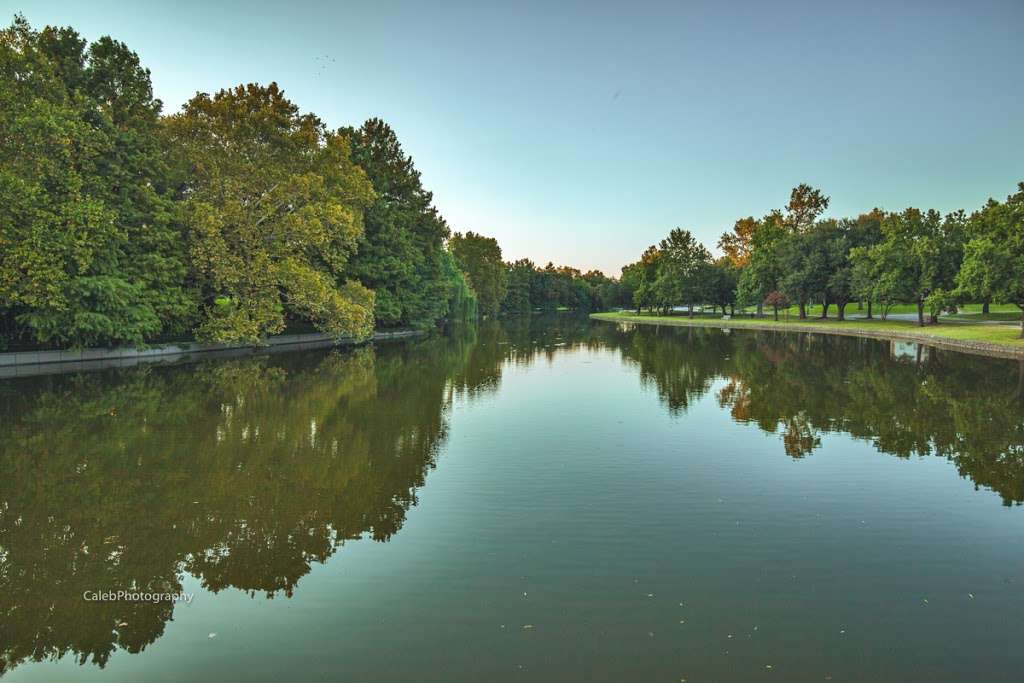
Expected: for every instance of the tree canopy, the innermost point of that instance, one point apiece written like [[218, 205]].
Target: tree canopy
[[480, 259], [89, 249], [993, 266], [399, 254], [273, 205]]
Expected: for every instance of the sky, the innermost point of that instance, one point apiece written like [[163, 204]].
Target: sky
[[581, 133]]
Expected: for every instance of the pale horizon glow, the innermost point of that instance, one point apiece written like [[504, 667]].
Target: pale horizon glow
[[581, 134]]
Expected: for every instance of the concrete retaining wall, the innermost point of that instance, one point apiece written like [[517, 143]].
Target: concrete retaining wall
[[22, 363]]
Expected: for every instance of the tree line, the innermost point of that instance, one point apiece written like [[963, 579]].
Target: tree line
[[793, 257], [232, 219]]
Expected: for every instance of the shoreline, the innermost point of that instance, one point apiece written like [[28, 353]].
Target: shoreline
[[834, 327], [24, 363]]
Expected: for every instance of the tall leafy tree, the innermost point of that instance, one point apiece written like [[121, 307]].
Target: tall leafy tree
[[89, 249], [917, 260], [521, 275], [804, 260], [274, 207], [648, 267], [684, 269], [629, 281], [723, 277], [862, 233], [993, 266], [399, 252], [480, 259], [762, 273]]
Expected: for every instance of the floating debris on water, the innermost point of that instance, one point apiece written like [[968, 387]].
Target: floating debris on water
[[970, 595], [212, 636]]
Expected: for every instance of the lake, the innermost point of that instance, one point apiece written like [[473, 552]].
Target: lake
[[543, 499]]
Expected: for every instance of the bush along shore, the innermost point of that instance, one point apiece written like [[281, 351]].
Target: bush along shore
[[975, 337]]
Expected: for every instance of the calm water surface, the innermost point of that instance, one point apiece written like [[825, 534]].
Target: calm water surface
[[547, 499]]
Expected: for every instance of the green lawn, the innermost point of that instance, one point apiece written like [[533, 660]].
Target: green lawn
[[966, 312], [1006, 336], [1001, 316]]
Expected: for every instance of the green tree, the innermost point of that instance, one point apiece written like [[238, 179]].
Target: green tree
[[648, 267], [804, 260], [864, 232], [89, 249], [917, 260], [480, 259], [274, 208], [629, 281], [762, 273], [520, 282], [722, 280], [399, 252], [684, 269], [462, 302], [993, 265]]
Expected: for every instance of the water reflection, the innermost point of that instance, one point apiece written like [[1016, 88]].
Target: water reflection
[[969, 409], [245, 473], [241, 473]]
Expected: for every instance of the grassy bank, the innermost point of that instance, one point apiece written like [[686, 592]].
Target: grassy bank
[[1000, 340]]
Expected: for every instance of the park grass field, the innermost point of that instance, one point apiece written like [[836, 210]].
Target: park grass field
[[980, 337], [1003, 312]]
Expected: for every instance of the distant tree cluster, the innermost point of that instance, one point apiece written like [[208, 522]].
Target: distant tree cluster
[[521, 287], [794, 257], [229, 220]]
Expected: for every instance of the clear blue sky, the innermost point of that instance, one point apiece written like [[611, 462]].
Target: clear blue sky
[[582, 133]]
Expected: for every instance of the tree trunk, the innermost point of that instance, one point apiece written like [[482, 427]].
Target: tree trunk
[[760, 309], [920, 312], [825, 303], [869, 309], [1021, 320], [803, 310], [732, 309], [691, 310], [984, 306], [776, 314], [840, 310]]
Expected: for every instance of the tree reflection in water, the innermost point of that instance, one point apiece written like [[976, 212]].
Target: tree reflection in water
[[969, 409], [244, 473]]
